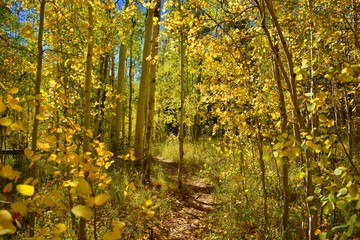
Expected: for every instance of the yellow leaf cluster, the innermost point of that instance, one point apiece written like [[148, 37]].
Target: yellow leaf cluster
[[8, 172]]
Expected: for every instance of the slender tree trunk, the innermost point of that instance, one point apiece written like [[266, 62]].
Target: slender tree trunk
[[285, 166], [119, 110], [182, 107], [290, 81], [144, 86], [33, 168], [263, 173], [102, 97], [151, 110], [88, 80], [130, 83]]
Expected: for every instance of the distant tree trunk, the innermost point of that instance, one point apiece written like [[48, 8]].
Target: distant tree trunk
[[118, 138], [182, 107], [88, 79], [101, 96], [113, 99], [285, 166], [263, 173], [355, 6], [130, 83], [144, 86], [151, 110], [33, 168]]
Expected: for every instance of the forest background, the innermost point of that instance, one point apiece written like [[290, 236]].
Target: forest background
[[261, 98]]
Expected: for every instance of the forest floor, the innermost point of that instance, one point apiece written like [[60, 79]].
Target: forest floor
[[188, 216]]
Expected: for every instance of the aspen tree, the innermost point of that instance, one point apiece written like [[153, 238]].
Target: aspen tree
[[119, 110], [182, 110], [88, 79], [144, 85], [33, 168], [151, 101], [285, 165]]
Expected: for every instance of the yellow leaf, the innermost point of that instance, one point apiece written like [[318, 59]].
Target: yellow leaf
[[148, 203], [8, 172], [84, 187], [15, 127], [118, 224], [6, 225], [317, 232], [17, 108], [132, 186], [28, 153], [13, 104], [8, 188], [298, 77], [89, 133], [5, 121], [59, 228], [52, 157], [26, 190], [112, 235], [40, 117], [101, 199], [19, 207], [39, 97], [43, 145], [82, 211], [14, 90], [2, 106], [132, 158], [150, 214], [28, 181]]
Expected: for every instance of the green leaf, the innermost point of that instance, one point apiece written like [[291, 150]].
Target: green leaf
[[338, 171], [323, 118], [310, 107], [322, 235], [342, 191]]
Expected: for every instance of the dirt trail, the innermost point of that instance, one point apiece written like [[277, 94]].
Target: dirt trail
[[187, 219]]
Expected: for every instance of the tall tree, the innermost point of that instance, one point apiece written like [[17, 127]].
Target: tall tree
[[151, 100], [118, 137], [87, 107], [144, 86], [38, 98], [182, 105]]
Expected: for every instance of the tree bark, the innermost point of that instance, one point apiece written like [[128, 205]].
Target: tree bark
[[119, 110], [182, 107], [285, 166], [88, 80], [130, 84], [152, 88], [33, 168], [144, 86]]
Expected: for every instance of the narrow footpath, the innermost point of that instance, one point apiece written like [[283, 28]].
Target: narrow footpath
[[187, 220]]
